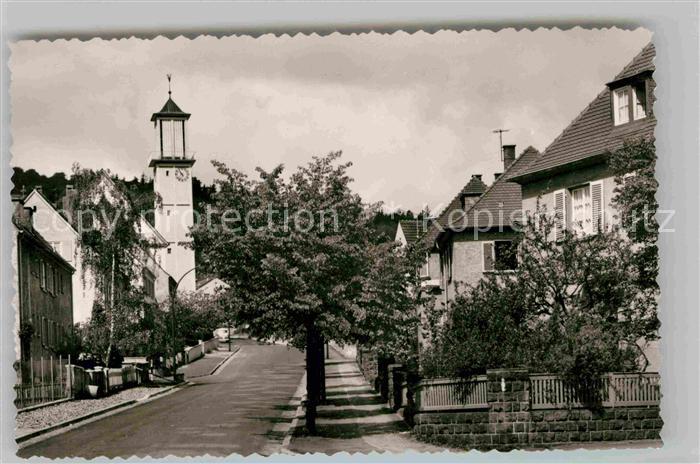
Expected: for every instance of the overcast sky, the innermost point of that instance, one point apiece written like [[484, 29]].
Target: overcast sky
[[414, 113]]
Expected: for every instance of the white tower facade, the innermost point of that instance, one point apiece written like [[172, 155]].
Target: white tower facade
[[172, 181]]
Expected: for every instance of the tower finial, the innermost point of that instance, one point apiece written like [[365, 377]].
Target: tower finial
[[169, 77]]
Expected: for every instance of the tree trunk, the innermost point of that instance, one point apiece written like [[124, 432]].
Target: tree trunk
[[322, 373], [312, 378], [110, 309]]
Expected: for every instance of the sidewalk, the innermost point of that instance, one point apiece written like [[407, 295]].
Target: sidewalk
[[355, 418], [206, 364]]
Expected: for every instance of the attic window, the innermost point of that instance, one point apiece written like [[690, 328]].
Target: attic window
[[630, 103]]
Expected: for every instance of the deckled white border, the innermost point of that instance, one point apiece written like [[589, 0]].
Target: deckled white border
[[676, 40]]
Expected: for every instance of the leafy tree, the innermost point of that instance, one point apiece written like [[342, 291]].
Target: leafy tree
[[198, 315], [577, 307], [299, 256], [113, 251]]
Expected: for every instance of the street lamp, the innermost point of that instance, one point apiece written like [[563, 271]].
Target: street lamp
[[173, 297]]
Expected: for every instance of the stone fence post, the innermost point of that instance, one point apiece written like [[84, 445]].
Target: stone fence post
[[509, 407]]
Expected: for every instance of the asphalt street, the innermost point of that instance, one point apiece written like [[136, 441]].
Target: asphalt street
[[232, 412]]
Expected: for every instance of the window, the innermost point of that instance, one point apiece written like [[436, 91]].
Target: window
[[170, 250], [51, 280], [630, 103], [622, 106], [167, 172], [43, 275], [579, 210], [500, 255], [44, 331], [446, 263], [640, 101], [425, 268], [149, 287]]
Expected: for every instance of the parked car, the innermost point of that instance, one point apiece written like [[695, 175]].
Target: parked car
[[222, 334]]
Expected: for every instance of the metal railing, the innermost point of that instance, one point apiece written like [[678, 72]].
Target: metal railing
[[450, 394], [42, 380]]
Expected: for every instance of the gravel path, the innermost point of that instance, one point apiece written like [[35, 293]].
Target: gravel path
[[50, 415]]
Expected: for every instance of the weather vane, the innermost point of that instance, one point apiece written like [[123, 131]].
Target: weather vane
[[169, 77]]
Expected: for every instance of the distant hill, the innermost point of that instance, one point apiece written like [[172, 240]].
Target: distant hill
[[385, 224], [54, 186]]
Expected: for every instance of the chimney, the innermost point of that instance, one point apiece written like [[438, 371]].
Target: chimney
[[68, 198], [497, 175], [39, 188], [508, 156], [476, 176]]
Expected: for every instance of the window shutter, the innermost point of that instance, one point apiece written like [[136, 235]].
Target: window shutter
[[488, 256], [597, 206], [560, 218]]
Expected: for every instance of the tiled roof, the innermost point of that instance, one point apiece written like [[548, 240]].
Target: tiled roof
[[475, 186], [501, 203], [644, 61], [203, 281], [500, 191], [412, 229], [21, 218], [592, 132]]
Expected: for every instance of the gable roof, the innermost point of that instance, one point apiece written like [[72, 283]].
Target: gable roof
[[40, 196], [500, 192], [644, 61], [203, 281], [592, 133], [412, 229], [475, 186], [501, 202], [21, 219]]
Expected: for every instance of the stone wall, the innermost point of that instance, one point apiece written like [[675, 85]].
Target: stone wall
[[367, 361], [508, 421]]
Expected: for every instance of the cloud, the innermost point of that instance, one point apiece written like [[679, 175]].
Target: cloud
[[413, 112]]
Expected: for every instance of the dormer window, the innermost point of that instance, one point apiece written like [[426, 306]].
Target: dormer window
[[630, 103]]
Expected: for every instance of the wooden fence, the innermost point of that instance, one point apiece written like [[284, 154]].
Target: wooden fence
[[42, 380], [545, 392], [449, 394], [611, 390]]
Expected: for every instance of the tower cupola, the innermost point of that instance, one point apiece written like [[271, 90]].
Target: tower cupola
[[171, 131]]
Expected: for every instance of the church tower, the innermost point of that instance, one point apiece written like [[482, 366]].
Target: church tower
[[172, 181]]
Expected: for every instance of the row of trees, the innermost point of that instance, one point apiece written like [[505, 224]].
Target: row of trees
[[578, 307], [306, 266]]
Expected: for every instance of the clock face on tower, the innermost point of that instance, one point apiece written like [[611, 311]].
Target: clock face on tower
[[182, 174]]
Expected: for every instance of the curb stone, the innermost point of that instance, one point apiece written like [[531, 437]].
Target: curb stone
[[223, 361], [76, 422], [299, 402]]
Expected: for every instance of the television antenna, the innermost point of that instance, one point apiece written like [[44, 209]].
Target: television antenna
[[500, 139]]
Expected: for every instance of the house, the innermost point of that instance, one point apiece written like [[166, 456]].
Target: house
[[474, 234], [211, 286], [44, 289], [56, 227], [572, 179], [481, 239]]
